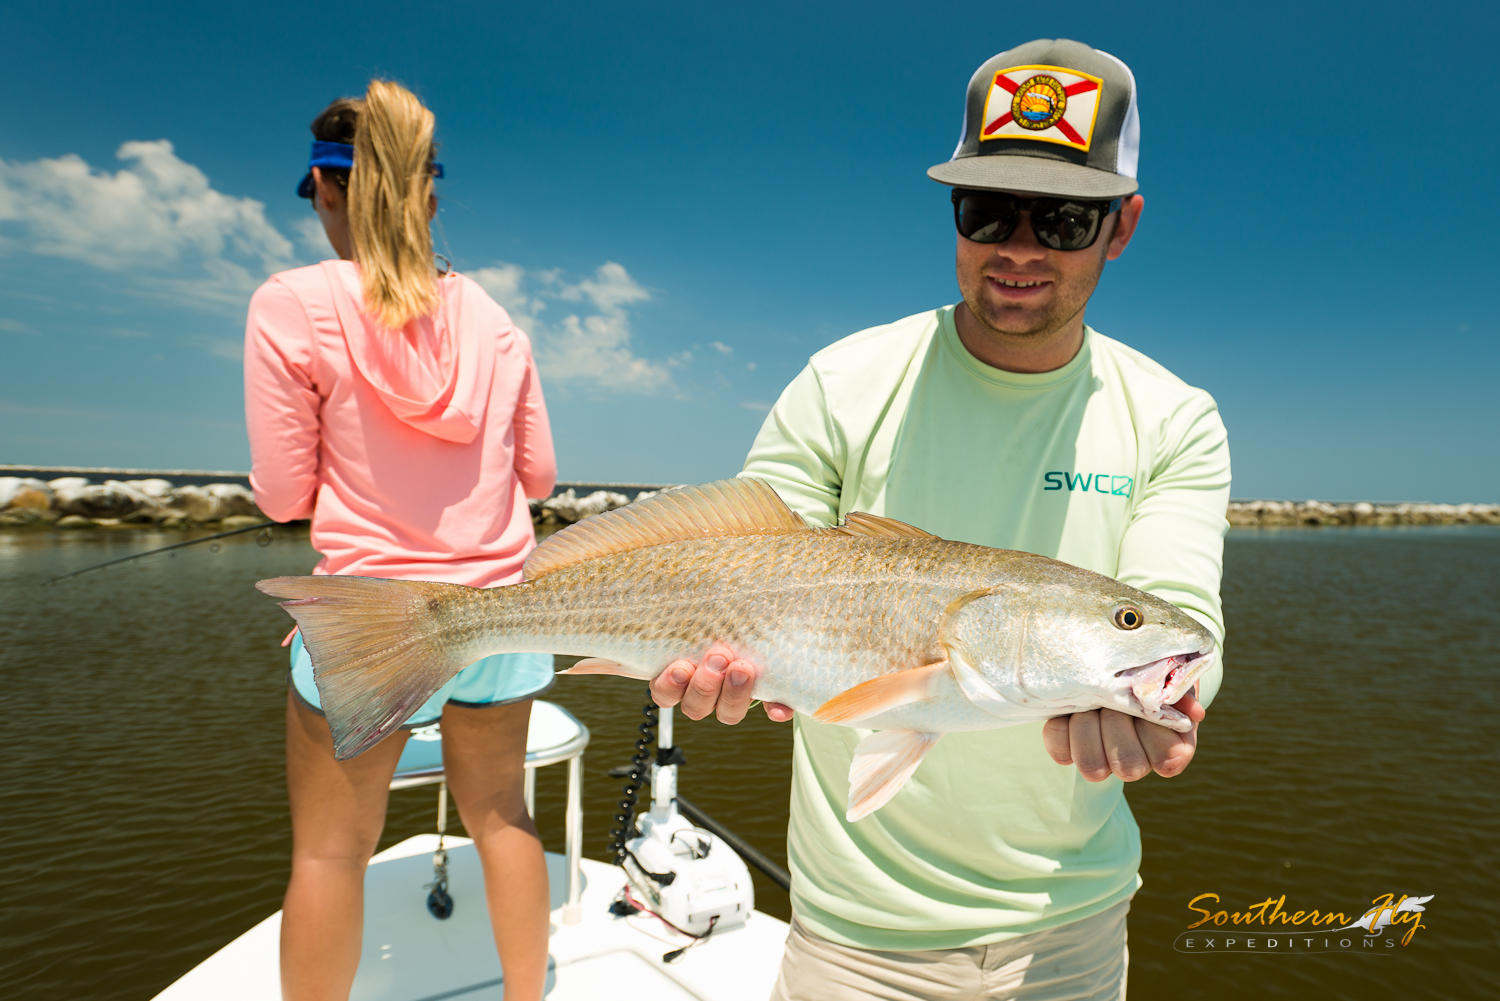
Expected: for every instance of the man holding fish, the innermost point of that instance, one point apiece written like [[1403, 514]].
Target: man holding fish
[[947, 663], [1004, 421]]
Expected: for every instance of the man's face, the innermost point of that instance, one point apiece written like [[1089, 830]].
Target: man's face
[[1020, 288]]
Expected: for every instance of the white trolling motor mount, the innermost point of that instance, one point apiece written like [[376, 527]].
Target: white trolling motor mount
[[686, 876]]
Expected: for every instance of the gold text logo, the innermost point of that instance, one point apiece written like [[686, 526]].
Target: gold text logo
[[1270, 925]]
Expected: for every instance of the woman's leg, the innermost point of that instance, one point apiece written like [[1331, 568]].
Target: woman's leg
[[484, 751], [338, 811]]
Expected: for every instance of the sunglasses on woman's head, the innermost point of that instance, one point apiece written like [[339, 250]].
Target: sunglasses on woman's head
[[1059, 223]]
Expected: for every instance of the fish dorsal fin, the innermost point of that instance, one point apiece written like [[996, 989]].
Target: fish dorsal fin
[[710, 510], [859, 523]]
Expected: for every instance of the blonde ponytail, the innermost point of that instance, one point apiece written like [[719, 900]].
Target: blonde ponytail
[[390, 189]]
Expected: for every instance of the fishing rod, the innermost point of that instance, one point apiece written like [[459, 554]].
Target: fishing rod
[[265, 526]]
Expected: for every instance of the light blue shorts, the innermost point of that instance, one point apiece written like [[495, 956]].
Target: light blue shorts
[[493, 681]]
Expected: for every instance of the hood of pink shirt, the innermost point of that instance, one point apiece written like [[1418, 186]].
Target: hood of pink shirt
[[435, 373]]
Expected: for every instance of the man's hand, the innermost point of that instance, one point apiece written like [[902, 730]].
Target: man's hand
[[1104, 742], [719, 684]]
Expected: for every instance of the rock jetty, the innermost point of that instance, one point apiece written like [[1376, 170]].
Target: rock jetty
[[1312, 512], [76, 502], [567, 507]]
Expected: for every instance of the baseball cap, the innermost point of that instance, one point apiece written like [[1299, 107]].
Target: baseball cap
[[1051, 117]]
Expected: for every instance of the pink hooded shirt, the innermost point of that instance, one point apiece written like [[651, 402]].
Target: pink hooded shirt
[[413, 451]]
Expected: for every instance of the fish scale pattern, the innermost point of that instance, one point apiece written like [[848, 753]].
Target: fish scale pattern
[[820, 611]]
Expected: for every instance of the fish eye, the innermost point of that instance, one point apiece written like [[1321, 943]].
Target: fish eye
[[1129, 617]]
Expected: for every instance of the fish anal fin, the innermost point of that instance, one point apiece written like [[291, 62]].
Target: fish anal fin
[[710, 510], [882, 763], [873, 525], [598, 665], [873, 697]]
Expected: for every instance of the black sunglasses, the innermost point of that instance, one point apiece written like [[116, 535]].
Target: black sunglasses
[[1059, 223]]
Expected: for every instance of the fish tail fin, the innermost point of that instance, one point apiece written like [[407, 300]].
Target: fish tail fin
[[376, 649]]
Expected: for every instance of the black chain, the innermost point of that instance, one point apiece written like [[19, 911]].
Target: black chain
[[625, 819]]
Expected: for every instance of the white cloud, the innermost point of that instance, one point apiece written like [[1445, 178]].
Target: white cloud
[[156, 214], [728, 352], [589, 350], [159, 223], [609, 290], [503, 283]]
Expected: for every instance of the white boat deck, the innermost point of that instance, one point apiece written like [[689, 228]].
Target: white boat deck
[[409, 955]]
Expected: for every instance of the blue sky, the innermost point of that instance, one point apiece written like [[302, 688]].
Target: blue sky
[[684, 201]]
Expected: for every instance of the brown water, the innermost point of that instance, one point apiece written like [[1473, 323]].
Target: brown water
[[1352, 753]]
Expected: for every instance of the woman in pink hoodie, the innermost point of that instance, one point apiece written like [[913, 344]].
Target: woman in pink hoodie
[[400, 410]]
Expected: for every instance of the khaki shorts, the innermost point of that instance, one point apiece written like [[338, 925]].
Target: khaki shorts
[[1083, 961]]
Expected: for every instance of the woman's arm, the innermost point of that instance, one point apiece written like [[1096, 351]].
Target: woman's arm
[[535, 462], [281, 404]]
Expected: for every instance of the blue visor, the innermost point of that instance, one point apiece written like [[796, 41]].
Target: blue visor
[[335, 156]]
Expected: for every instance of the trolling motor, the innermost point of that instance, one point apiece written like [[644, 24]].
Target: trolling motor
[[684, 875]]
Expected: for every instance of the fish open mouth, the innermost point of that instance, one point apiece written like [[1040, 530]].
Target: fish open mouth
[[1155, 686]]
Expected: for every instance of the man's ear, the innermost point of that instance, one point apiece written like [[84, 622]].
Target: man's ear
[[1129, 218]]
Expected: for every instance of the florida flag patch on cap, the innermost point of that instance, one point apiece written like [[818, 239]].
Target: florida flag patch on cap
[[1046, 103]]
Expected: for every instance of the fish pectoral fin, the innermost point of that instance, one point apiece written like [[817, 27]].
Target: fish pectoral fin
[[598, 665], [873, 697], [882, 763]]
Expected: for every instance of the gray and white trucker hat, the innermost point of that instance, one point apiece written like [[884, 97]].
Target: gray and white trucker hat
[[1051, 117]]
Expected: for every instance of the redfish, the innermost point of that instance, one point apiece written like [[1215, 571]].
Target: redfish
[[874, 624]]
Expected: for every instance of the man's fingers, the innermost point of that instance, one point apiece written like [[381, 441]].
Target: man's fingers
[[1190, 707], [719, 684], [1122, 745], [668, 687], [1168, 751], [702, 694], [779, 713], [734, 696], [1086, 746], [1055, 739]]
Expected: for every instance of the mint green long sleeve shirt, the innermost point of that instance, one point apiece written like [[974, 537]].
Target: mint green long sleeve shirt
[[1110, 463]]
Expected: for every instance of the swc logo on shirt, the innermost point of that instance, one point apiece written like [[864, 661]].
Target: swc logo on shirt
[[1099, 483]]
